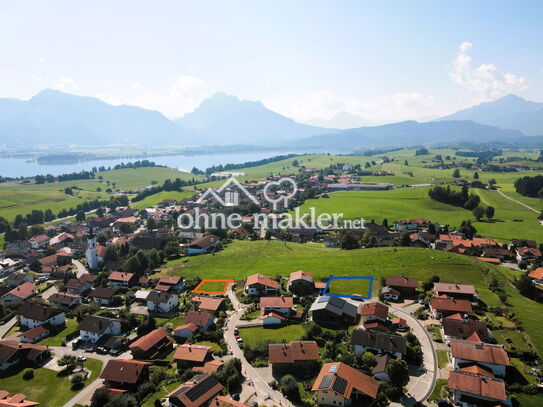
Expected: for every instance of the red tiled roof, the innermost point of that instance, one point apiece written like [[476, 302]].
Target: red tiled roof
[[17, 400], [146, 342], [120, 276], [399, 321], [537, 273], [454, 288], [354, 379], [374, 309], [479, 352], [477, 385], [198, 318], [222, 401], [293, 352], [191, 353], [276, 302], [376, 325], [190, 327], [402, 281], [451, 304], [474, 369], [490, 260], [208, 303], [300, 274], [121, 370], [23, 291], [170, 280], [208, 384], [209, 367], [261, 279]]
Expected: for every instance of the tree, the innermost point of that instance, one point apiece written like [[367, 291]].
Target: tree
[[69, 361], [478, 212], [405, 240], [398, 372], [349, 242], [524, 285], [289, 387], [489, 212], [385, 222], [367, 361], [406, 163], [171, 248], [475, 175], [295, 163], [456, 173]]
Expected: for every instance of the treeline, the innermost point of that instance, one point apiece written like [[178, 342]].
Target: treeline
[[42, 179], [422, 151], [18, 229], [136, 164], [484, 154], [457, 198], [248, 164], [169, 185], [530, 186], [374, 151]]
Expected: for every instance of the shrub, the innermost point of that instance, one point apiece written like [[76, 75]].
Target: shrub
[[28, 374]]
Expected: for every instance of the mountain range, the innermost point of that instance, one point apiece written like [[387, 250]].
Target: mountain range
[[56, 118]]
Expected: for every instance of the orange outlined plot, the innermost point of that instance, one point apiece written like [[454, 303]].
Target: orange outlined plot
[[212, 287]]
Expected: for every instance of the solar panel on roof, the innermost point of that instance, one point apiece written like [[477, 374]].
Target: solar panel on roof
[[326, 381], [340, 384], [332, 369], [201, 388]]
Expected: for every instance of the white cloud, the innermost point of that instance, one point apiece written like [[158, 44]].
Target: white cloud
[[325, 104], [66, 84], [181, 96], [485, 80]]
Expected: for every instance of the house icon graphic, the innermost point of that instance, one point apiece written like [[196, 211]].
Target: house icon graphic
[[232, 189]]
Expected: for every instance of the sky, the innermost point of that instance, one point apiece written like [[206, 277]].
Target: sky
[[384, 61]]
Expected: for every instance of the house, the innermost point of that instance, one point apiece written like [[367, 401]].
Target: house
[[203, 320], [527, 254], [120, 279], [261, 285], [77, 286], [13, 353], [161, 302], [34, 335], [39, 242], [333, 311], [33, 314], [202, 245], [185, 331], [155, 345], [445, 306], [117, 224], [390, 294], [21, 293], [196, 392], [301, 283], [18, 400], [476, 390], [18, 278], [187, 355], [412, 224], [209, 304], [340, 385], [125, 374], [486, 355], [222, 401], [374, 311], [377, 342], [405, 285], [271, 318], [537, 274], [379, 371], [400, 324], [103, 295], [458, 327], [175, 283], [458, 291], [64, 300], [94, 327], [299, 357], [280, 305]]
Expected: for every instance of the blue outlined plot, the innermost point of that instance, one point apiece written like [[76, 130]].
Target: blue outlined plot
[[355, 297]]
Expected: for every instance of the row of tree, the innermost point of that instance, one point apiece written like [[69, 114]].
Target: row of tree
[[454, 197]]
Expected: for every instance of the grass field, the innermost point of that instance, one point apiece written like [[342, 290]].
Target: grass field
[[212, 286], [242, 258], [155, 199], [287, 333], [56, 340], [352, 287], [512, 339], [442, 358], [47, 387], [436, 394]]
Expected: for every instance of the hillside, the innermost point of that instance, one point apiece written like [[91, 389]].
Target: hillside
[[508, 112], [412, 133], [224, 119], [53, 117]]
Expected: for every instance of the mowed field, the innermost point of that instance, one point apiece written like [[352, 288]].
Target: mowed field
[[22, 199], [511, 220], [242, 258]]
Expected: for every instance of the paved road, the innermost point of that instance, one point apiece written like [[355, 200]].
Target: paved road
[[420, 388], [4, 329], [80, 268], [260, 385], [518, 202]]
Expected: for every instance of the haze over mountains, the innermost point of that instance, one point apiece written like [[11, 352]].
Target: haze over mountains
[[56, 118]]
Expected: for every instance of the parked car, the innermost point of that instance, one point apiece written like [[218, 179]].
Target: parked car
[[81, 358]]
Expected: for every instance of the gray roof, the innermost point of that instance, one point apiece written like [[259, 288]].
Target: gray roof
[[95, 324], [335, 305], [378, 340]]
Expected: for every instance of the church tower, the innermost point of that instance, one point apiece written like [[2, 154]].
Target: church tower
[[92, 251]]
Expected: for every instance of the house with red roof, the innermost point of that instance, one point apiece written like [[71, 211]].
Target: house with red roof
[[528, 254], [488, 356], [20, 293], [125, 374], [445, 306], [458, 327], [196, 392], [297, 357], [476, 390], [188, 355], [39, 242], [185, 331], [407, 287], [301, 283], [120, 279], [374, 311], [17, 400], [261, 285], [339, 384], [458, 291], [209, 304], [280, 305], [154, 345], [203, 320], [537, 274]]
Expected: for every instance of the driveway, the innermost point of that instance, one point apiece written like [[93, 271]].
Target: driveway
[[4, 329], [422, 384], [253, 378]]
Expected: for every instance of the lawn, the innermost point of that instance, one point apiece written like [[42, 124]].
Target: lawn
[[161, 393], [512, 340], [155, 199], [442, 357], [215, 348], [47, 387], [287, 333], [527, 400], [523, 370], [56, 340], [172, 322], [212, 287], [359, 287], [436, 394]]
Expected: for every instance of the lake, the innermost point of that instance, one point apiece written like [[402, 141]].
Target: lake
[[23, 167]]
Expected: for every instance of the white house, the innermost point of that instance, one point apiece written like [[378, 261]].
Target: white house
[[488, 356], [39, 242], [33, 314], [93, 327], [161, 302]]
